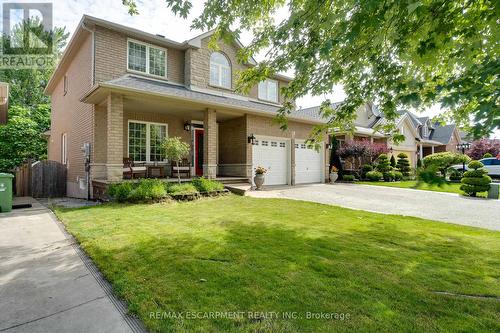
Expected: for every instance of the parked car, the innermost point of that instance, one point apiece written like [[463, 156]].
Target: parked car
[[492, 164]]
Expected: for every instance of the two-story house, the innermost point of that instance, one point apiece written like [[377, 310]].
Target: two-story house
[[123, 91]]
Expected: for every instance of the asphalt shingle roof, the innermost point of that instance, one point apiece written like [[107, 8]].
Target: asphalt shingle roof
[[168, 89], [442, 133]]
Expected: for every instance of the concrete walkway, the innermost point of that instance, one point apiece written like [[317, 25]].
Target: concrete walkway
[[45, 286], [445, 207]]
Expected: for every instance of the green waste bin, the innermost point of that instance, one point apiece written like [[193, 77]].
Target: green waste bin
[[5, 192]]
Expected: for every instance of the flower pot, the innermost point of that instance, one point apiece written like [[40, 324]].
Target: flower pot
[[259, 180], [333, 177]]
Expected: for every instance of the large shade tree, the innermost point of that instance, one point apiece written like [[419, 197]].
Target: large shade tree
[[29, 108], [398, 53]]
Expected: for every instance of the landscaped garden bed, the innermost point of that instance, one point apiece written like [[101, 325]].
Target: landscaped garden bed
[[155, 190], [232, 254]]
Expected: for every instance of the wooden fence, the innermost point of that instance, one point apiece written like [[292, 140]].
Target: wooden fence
[[41, 179]]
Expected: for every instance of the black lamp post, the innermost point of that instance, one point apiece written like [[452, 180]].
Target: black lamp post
[[463, 147]]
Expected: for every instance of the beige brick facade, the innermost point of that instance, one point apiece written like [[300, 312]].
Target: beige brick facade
[[100, 56], [210, 144], [72, 117]]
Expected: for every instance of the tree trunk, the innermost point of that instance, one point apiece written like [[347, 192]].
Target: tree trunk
[[178, 172]]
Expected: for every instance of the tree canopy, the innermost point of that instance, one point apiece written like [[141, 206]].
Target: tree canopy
[[396, 53], [29, 107]]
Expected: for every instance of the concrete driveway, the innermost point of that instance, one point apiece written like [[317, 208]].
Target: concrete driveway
[[45, 285], [445, 207]]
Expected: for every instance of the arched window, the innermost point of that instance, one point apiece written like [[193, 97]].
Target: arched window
[[220, 70]]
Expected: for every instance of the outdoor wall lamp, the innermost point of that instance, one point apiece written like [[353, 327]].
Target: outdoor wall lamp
[[187, 127], [328, 146], [251, 139]]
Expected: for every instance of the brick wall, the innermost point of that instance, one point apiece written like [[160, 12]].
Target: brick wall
[[111, 57], [71, 116]]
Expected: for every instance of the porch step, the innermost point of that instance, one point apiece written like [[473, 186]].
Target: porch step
[[232, 180], [239, 188]]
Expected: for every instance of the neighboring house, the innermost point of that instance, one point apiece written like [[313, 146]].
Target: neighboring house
[[123, 91], [423, 137], [367, 117]]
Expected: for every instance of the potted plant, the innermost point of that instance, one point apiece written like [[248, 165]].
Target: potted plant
[[259, 177], [334, 174]]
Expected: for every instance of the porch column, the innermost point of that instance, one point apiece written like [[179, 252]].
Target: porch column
[[421, 152], [210, 144], [432, 149], [114, 160]]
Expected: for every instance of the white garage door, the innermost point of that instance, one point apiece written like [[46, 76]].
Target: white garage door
[[308, 164], [272, 154]]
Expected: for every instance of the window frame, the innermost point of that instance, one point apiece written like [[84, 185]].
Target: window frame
[[64, 148], [148, 138], [266, 98], [219, 66], [148, 69]]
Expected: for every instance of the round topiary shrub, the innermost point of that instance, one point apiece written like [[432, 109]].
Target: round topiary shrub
[[487, 155], [383, 164], [374, 176], [455, 175], [476, 180], [398, 176], [365, 169], [348, 178], [389, 176], [403, 164]]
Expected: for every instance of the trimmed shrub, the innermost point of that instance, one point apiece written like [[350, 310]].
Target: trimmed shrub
[[206, 185], [348, 178], [374, 176], [476, 180], [120, 192], [389, 176], [147, 190], [393, 161], [180, 189], [398, 176], [487, 155], [383, 163], [365, 169], [403, 164], [455, 175]]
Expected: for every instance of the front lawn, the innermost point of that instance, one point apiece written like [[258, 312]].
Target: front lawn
[[412, 184], [177, 263]]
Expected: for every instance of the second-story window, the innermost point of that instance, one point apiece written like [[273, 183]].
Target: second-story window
[[147, 59], [268, 91], [220, 70]]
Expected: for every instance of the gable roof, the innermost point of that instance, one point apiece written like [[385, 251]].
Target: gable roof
[[442, 134]]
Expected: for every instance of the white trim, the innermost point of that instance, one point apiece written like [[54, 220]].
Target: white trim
[[148, 138], [220, 69], [266, 98], [289, 148], [64, 148], [148, 47]]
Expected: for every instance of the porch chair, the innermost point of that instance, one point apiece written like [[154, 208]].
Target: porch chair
[[130, 170], [183, 168]]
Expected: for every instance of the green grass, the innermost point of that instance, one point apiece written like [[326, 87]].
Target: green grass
[[412, 184], [272, 255]]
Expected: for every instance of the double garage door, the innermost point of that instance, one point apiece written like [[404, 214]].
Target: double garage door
[[274, 155]]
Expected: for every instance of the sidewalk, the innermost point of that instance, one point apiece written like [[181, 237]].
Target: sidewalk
[[46, 282]]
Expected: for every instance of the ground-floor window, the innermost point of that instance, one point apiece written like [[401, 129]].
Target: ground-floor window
[[144, 141]]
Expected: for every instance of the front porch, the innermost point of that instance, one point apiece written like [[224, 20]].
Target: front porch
[[133, 127]]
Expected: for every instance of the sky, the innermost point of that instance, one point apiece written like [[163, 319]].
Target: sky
[[154, 17]]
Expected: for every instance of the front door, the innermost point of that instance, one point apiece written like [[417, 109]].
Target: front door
[[198, 149]]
